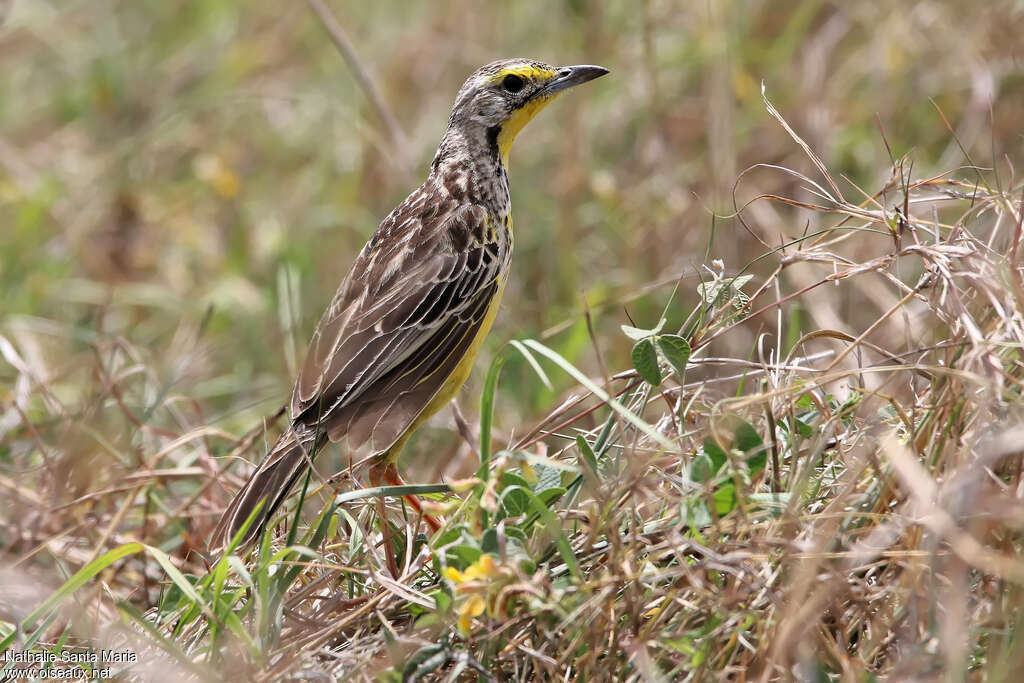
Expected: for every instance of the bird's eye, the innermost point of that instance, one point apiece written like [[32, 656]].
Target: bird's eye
[[513, 83]]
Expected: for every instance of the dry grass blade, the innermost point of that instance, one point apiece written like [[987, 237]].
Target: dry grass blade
[[802, 463]]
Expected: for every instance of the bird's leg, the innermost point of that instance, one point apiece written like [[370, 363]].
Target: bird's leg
[[377, 478], [390, 474]]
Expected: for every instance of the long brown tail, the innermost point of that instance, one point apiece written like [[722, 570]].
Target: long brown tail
[[285, 463]]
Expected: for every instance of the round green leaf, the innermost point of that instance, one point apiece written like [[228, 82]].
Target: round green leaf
[[676, 351], [645, 360]]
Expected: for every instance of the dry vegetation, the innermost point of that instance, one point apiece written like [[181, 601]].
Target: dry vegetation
[[800, 459]]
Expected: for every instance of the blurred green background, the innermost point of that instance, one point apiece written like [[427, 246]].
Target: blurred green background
[[195, 178]]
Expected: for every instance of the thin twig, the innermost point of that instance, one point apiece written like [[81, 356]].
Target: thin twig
[[399, 141]]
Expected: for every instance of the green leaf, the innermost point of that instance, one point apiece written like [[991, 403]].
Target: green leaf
[[29, 642], [622, 410], [676, 352], [725, 498], [547, 477], [550, 495], [442, 601], [450, 536], [587, 455], [741, 280], [554, 527], [489, 542], [635, 333], [746, 439], [288, 577], [638, 333], [715, 452], [514, 501], [47, 610], [702, 468], [645, 360], [697, 515], [709, 291], [426, 660], [462, 555], [719, 292], [513, 479], [603, 439], [294, 529], [249, 521], [179, 579]]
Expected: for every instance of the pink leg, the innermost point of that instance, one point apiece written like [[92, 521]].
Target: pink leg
[[390, 475]]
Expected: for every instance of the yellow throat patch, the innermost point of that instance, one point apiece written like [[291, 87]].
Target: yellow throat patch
[[524, 114]]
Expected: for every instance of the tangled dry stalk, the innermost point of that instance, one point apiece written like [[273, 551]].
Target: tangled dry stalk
[[845, 499]]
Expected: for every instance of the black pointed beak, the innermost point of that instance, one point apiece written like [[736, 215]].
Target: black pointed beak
[[569, 76]]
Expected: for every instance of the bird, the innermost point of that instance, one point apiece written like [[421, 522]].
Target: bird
[[399, 338]]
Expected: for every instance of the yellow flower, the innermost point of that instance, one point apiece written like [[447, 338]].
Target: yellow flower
[[473, 607], [484, 568], [454, 575], [478, 585]]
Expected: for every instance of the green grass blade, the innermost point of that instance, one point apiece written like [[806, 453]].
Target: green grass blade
[[532, 360], [487, 417], [298, 509], [575, 373], [79, 579], [169, 646], [179, 579], [30, 641], [391, 491]]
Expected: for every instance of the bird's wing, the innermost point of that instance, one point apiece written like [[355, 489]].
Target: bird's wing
[[400, 323]]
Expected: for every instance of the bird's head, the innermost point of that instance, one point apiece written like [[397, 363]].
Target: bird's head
[[502, 97]]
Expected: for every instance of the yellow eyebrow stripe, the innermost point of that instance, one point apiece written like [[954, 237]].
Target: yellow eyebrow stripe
[[527, 71], [521, 116]]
